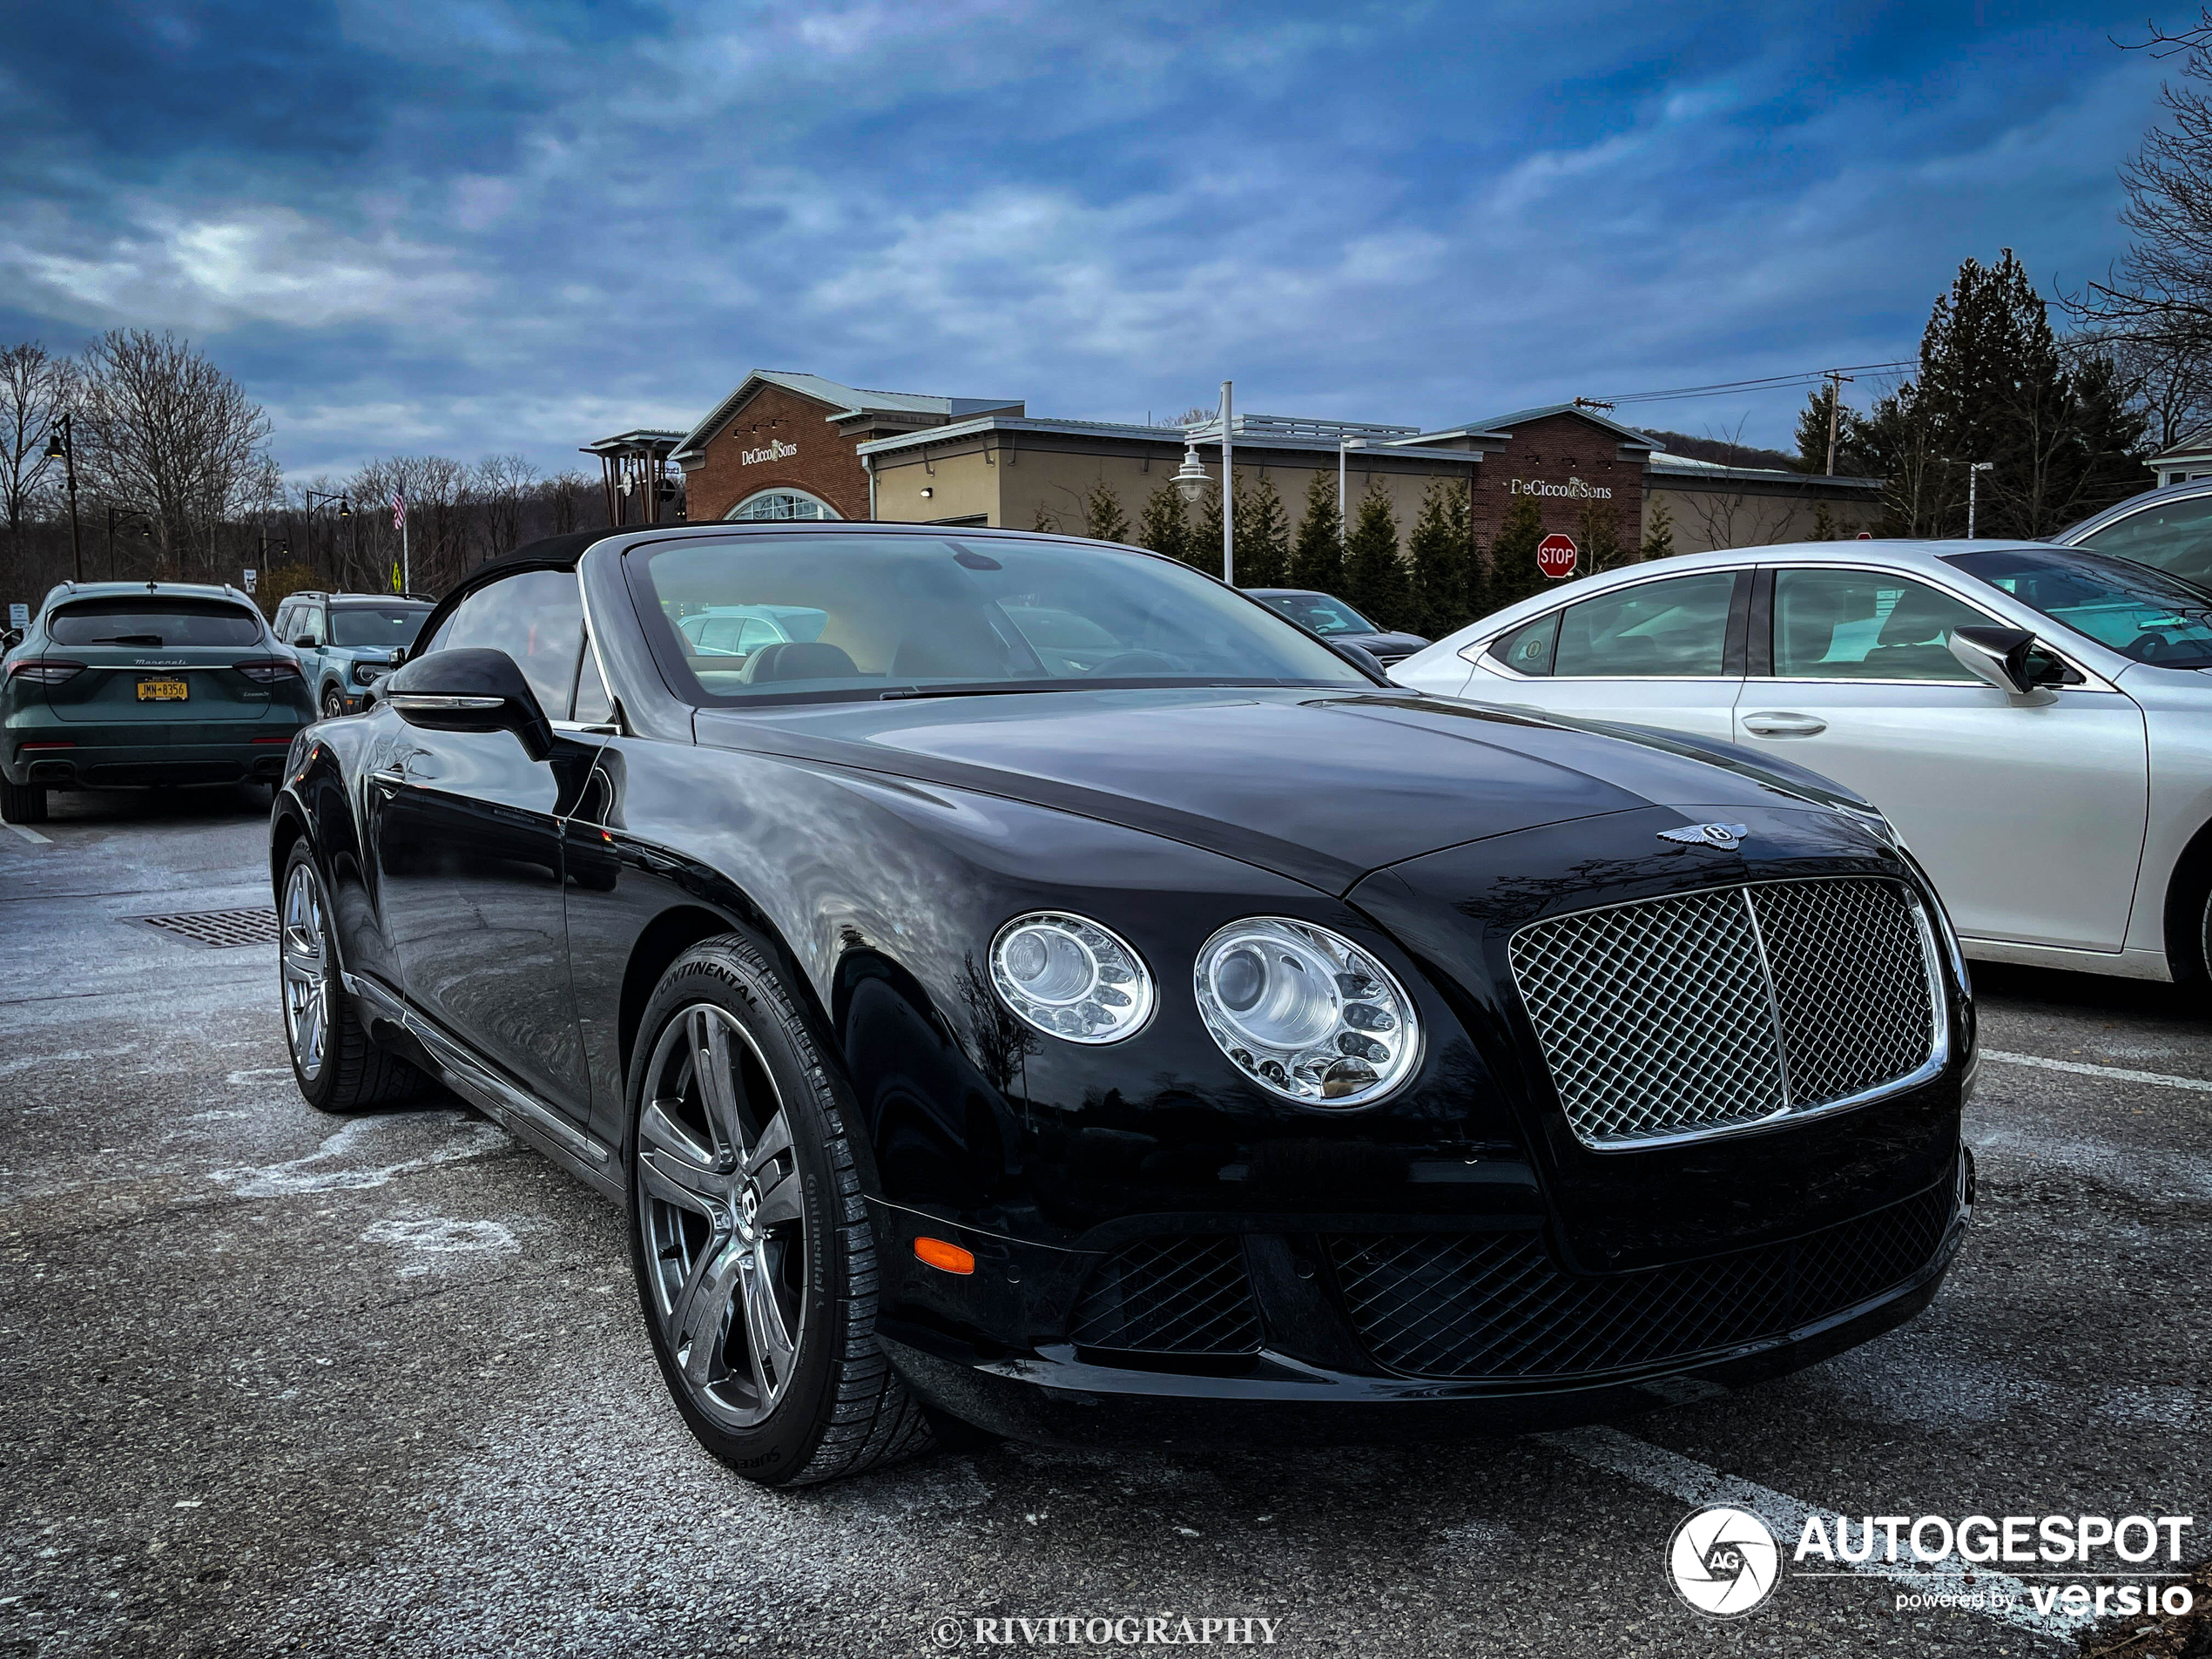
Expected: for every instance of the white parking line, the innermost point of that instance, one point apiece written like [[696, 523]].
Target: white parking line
[[2088, 1070], [1693, 1483], [32, 836]]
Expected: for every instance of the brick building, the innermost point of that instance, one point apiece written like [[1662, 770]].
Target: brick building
[[785, 445]]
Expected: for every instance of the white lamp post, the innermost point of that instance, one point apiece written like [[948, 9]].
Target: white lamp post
[[1190, 479], [1973, 477], [1342, 444]]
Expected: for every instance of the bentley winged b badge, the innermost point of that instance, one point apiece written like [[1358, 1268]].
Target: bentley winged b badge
[[1724, 836]]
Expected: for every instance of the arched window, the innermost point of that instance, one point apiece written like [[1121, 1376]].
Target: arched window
[[782, 503]]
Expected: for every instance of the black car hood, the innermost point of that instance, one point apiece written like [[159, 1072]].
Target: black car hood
[[1392, 646], [1320, 786]]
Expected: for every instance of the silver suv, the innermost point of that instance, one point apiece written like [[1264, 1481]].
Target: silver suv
[[347, 640]]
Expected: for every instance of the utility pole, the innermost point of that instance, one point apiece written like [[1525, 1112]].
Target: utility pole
[[1228, 490], [1835, 402]]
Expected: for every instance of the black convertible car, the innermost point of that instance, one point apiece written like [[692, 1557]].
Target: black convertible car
[[1044, 990]]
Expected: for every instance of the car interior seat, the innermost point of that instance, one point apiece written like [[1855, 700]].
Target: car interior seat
[[798, 659]]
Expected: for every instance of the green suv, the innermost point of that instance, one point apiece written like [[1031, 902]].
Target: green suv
[[347, 640], [121, 684]]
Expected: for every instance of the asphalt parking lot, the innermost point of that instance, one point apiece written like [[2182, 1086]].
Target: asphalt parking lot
[[277, 1382]]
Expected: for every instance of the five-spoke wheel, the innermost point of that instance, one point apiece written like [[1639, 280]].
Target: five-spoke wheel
[[306, 967], [721, 1202]]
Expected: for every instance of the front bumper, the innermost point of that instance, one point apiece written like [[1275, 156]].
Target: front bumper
[[1336, 1360]]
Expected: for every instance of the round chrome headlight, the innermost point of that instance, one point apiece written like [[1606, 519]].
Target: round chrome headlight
[[1071, 978], [1305, 1013]]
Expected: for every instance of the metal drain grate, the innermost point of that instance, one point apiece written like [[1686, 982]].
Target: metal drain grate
[[221, 928]]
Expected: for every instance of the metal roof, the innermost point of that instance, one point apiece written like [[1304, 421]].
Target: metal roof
[[847, 401], [1505, 423], [1667, 464], [1283, 435]]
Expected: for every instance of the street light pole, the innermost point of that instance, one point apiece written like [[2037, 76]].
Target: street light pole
[[116, 513], [1973, 477], [344, 510], [1342, 444], [61, 445], [1190, 481]]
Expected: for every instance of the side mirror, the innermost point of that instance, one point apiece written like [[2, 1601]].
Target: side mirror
[[307, 642], [1360, 656], [2005, 657], [469, 689], [398, 656]]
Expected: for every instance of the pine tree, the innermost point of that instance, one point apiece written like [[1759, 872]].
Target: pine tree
[[1263, 535], [1598, 540], [1203, 550], [1824, 524], [1659, 533], [1374, 576], [1812, 437], [1437, 576], [1317, 556], [1513, 574], [1473, 599], [1164, 526], [1104, 519]]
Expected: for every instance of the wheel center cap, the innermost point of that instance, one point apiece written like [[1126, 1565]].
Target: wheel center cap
[[748, 1211]]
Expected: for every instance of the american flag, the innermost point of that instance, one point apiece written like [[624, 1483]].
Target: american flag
[[399, 511]]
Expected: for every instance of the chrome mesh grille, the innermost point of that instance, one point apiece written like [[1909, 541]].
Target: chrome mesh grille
[[1699, 1013]]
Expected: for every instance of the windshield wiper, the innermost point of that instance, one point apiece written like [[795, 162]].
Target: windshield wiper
[[130, 639], [982, 688]]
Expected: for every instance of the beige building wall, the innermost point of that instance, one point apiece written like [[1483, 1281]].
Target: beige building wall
[[1723, 514], [1010, 487]]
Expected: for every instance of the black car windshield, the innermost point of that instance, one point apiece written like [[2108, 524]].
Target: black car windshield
[[2134, 610], [1324, 615], [375, 624], [153, 623], [907, 615]]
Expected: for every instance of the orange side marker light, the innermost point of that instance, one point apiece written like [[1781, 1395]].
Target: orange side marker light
[[949, 1258]]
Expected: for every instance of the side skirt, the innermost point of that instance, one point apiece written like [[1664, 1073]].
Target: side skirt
[[522, 1114]]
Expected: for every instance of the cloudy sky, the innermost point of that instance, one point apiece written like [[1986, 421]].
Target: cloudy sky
[[468, 227]]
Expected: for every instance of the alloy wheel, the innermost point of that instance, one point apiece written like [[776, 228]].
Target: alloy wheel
[[302, 954], [720, 1205], [333, 706]]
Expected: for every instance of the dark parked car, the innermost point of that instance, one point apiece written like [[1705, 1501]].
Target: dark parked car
[[1215, 1040], [1336, 621], [346, 641], [119, 684]]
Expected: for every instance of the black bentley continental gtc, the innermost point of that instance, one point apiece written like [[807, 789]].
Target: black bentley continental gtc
[[1032, 986]]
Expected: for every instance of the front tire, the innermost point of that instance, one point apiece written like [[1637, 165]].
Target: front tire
[[23, 803], [749, 1235], [334, 705], [337, 1066]]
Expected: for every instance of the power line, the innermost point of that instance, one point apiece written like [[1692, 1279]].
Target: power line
[[1767, 383]]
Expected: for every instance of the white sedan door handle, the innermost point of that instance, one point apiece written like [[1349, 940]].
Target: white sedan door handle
[[1769, 724]]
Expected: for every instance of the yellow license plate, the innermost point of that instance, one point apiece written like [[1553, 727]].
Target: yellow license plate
[[163, 691]]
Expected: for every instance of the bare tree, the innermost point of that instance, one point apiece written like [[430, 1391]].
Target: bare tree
[[567, 495], [500, 483], [163, 429], [36, 387]]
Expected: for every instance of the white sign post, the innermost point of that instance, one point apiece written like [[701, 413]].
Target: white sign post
[[18, 615], [250, 574]]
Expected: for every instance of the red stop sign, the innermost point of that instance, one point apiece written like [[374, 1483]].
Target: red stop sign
[[1556, 556]]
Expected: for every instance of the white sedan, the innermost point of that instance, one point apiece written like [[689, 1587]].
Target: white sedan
[[2035, 721]]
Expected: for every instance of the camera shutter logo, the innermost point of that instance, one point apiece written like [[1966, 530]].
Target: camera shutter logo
[[1724, 1561]]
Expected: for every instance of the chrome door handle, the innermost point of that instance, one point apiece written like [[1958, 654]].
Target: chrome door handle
[[1772, 725], [388, 779]]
